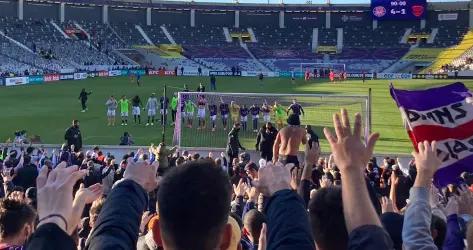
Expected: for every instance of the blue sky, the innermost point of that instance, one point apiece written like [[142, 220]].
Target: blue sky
[[300, 1]]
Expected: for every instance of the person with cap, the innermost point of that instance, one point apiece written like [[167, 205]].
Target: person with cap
[[288, 140], [73, 136], [265, 141], [233, 143]]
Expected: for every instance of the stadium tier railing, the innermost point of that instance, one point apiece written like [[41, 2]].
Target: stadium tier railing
[[124, 70], [119, 151]]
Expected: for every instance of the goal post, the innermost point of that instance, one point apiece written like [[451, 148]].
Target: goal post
[[318, 113], [338, 67]]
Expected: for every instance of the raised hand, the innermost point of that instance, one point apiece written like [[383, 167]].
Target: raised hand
[[427, 163], [241, 188], [252, 194], [325, 183], [296, 178], [7, 175], [142, 173], [55, 195], [349, 151], [452, 206], [273, 178], [90, 194], [263, 242], [351, 156], [311, 153], [145, 218], [387, 205], [83, 196], [465, 201]]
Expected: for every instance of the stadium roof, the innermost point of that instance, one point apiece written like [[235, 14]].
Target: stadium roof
[[255, 5]]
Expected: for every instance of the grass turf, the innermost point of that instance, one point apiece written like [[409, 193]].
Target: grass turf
[[47, 109]]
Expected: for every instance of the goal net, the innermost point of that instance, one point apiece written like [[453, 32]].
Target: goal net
[[322, 68], [318, 108]]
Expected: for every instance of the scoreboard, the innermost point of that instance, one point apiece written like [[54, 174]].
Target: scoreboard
[[398, 9]]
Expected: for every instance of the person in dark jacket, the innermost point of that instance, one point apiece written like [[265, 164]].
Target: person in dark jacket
[[73, 136], [233, 143], [26, 176], [265, 141], [83, 96]]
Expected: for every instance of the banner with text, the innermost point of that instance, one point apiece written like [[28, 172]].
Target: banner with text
[[443, 114]]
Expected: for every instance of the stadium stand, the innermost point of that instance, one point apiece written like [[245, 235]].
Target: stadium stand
[[259, 42]]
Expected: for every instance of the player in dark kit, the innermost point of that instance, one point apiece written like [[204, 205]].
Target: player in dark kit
[[136, 108], [255, 110], [138, 78], [224, 110], [244, 116], [296, 108], [83, 96], [164, 102], [213, 115]]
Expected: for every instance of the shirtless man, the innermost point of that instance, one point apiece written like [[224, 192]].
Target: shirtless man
[[288, 140]]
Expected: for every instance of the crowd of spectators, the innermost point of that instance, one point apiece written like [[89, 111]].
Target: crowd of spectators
[[162, 198]]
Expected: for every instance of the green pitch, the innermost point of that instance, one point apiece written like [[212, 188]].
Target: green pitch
[[48, 109]]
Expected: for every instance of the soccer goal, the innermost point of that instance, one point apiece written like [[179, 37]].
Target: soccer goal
[[337, 67], [318, 108]]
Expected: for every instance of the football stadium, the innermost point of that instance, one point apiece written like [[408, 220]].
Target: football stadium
[[180, 108]]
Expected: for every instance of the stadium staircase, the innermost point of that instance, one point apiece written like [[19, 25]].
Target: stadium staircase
[[16, 42], [449, 55], [260, 64], [432, 36], [59, 29], [339, 39], [115, 33], [406, 35], [228, 37], [315, 39], [252, 35], [144, 35], [168, 35]]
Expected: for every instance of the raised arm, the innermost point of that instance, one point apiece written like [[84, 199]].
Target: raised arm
[[276, 145], [417, 219], [287, 219], [351, 156], [121, 232]]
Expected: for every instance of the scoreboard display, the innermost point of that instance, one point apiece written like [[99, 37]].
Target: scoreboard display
[[398, 9]]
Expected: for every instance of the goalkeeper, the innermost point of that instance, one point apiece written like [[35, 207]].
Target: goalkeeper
[[189, 108], [279, 113], [174, 101], [235, 112]]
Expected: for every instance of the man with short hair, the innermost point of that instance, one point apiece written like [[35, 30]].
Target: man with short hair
[[252, 225], [17, 223], [288, 140], [296, 108], [233, 143], [207, 192], [111, 110], [73, 136], [124, 108], [151, 105], [136, 108], [327, 220]]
